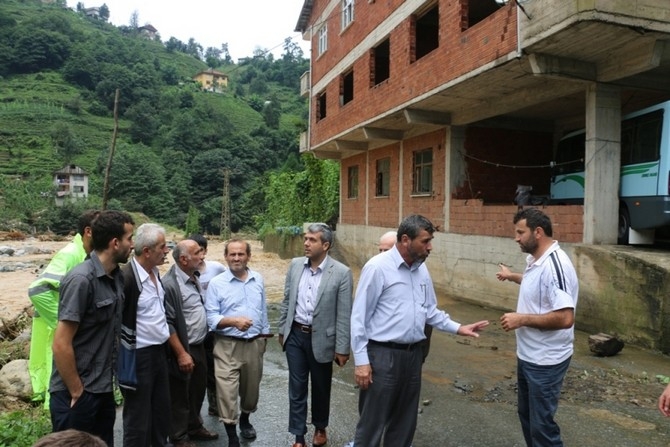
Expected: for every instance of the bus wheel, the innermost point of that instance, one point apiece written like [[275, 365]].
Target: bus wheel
[[624, 226]]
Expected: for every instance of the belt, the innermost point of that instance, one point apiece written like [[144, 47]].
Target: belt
[[304, 328], [394, 345], [247, 340]]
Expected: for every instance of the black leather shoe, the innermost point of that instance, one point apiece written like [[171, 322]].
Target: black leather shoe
[[247, 431]]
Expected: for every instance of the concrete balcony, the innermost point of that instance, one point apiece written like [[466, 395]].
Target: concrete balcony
[[305, 84], [613, 41], [304, 142]]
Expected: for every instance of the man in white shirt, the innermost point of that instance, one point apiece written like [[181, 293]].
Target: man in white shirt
[[146, 406], [544, 325]]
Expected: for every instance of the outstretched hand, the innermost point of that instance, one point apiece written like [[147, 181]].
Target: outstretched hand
[[504, 273], [473, 329], [664, 402]]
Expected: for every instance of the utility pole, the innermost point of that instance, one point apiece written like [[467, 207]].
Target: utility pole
[[108, 169], [224, 231]]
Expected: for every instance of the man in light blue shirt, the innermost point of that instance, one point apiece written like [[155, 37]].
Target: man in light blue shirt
[[395, 298], [237, 313]]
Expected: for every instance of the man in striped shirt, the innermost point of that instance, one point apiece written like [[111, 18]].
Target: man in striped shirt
[[544, 324]]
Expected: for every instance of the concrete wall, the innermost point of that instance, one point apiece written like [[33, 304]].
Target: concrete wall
[[285, 245], [623, 290]]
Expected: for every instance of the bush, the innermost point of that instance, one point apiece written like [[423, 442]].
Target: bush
[[23, 428]]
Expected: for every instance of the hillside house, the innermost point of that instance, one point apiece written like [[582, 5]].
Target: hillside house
[[71, 184], [212, 80], [148, 31], [443, 107], [92, 12]]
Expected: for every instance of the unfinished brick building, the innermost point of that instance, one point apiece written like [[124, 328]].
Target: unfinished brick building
[[443, 107]]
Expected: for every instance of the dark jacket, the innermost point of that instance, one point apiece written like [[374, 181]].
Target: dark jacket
[[175, 319], [132, 287]]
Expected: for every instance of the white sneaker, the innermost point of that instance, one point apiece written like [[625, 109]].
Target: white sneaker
[[349, 444]]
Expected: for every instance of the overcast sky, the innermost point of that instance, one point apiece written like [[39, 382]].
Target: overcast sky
[[244, 24]]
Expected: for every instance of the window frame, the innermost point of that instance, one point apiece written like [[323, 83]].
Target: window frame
[[347, 87], [321, 106], [380, 62], [347, 13], [352, 182], [422, 172], [322, 39], [383, 177]]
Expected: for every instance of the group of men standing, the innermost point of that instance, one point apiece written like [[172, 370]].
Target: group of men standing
[[320, 323], [112, 317]]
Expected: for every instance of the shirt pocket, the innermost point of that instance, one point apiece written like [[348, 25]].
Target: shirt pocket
[[103, 308]]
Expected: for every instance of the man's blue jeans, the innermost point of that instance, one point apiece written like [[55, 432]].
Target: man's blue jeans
[[539, 388]]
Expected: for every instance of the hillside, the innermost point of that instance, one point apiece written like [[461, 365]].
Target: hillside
[[60, 71]]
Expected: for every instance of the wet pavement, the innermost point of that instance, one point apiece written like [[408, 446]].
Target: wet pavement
[[468, 395]]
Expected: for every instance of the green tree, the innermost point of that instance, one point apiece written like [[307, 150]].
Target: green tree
[[66, 143], [138, 181], [194, 48], [134, 21], [292, 198], [24, 200], [104, 12], [213, 57], [39, 49], [258, 86], [144, 122], [192, 225], [272, 112]]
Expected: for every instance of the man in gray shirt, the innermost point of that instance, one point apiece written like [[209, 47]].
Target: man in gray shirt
[[89, 317], [187, 365]]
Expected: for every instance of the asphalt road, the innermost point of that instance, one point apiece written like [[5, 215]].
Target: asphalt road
[[468, 396]]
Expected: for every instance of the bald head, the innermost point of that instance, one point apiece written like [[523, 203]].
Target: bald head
[[387, 241], [188, 256]]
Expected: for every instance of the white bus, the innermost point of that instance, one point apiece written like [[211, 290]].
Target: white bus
[[644, 188]]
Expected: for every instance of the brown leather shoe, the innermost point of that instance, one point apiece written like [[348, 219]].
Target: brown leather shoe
[[298, 444], [320, 437], [183, 443], [202, 434]]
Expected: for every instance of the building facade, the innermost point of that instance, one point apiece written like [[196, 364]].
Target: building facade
[[212, 80], [444, 107], [71, 184]]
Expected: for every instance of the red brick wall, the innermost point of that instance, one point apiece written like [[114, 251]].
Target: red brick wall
[[431, 206], [459, 52], [496, 161], [353, 210], [476, 218], [383, 211]]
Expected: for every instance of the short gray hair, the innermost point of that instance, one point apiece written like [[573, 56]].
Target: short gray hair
[[147, 236], [324, 229]]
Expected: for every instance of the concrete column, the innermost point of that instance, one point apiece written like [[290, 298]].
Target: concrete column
[[401, 189], [603, 163], [454, 167], [367, 187]]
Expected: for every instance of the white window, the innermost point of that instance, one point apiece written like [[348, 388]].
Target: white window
[[323, 39], [347, 12]]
